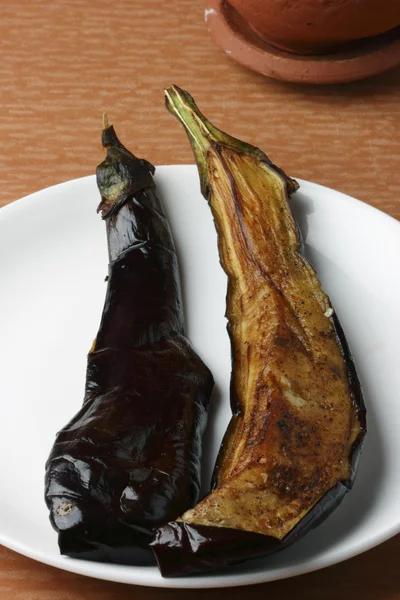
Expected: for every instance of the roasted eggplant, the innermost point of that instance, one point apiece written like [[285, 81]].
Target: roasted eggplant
[[291, 450], [129, 460]]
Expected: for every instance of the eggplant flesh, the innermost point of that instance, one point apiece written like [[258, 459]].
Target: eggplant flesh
[[129, 460], [291, 450]]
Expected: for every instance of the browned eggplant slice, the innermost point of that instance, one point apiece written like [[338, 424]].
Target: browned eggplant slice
[[130, 458], [291, 449]]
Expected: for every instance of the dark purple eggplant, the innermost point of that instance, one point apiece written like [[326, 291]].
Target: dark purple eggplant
[[129, 460], [291, 450]]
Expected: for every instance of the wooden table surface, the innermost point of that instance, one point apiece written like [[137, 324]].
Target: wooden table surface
[[65, 61]]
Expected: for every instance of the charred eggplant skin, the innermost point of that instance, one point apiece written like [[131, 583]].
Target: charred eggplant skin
[[185, 549], [292, 438], [129, 460]]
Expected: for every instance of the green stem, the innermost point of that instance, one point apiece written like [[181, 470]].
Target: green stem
[[201, 133]]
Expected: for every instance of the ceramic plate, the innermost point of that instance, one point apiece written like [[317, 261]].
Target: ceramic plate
[[53, 263]]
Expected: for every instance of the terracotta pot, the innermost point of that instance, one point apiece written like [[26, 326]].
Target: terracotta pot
[[315, 26]]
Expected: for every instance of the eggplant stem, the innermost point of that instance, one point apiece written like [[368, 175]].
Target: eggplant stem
[[105, 120]]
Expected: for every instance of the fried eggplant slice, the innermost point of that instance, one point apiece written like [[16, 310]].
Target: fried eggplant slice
[[129, 460], [291, 449]]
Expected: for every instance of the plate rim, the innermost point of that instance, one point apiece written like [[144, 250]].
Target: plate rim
[[36, 195]]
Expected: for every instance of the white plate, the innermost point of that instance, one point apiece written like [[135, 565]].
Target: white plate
[[53, 262]]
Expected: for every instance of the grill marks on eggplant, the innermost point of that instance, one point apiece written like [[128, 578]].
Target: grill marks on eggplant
[[130, 458], [298, 414], [280, 361]]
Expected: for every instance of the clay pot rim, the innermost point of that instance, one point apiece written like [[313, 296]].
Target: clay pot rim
[[235, 37]]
